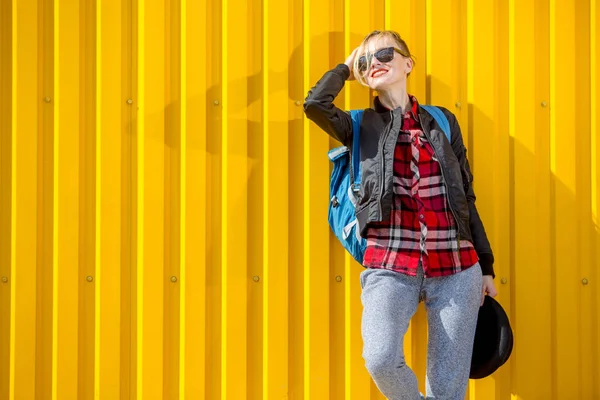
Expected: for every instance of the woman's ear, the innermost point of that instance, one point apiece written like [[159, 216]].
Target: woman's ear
[[409, 66]]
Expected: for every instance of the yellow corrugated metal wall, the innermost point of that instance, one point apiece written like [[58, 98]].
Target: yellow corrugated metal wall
[[163, 204]]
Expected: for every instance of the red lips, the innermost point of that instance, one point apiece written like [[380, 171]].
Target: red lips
[[378, 70]]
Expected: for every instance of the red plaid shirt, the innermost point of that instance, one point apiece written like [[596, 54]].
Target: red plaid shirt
[[421, 226]]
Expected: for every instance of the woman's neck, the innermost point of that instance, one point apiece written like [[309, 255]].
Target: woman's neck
[[395, 99]]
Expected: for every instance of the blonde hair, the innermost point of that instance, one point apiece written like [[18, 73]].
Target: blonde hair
[[360, 76]]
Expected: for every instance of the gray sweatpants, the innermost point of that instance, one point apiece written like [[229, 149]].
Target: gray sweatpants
[[390, 300]]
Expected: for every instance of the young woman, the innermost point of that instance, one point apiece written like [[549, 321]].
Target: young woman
[[416, 208]]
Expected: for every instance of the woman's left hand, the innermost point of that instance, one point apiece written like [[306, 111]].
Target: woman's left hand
[[488, 287], [350, 63]]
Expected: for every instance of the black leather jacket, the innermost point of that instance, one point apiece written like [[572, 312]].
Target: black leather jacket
[[379, 134]]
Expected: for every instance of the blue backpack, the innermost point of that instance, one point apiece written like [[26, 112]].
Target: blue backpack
[[345, 184]]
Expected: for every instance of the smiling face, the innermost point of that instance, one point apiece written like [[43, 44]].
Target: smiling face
[[383, 73]]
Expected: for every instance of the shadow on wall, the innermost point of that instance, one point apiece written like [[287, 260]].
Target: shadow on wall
[[291, 80], [538, 243]]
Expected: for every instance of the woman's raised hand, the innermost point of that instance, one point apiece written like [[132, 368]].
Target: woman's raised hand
[[350, 63]]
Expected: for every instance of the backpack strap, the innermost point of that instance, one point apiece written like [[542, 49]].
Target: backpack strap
[[355, 153], [440, 118]]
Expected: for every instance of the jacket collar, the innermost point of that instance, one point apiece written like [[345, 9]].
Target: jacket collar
[[414, 110], [425, 119]]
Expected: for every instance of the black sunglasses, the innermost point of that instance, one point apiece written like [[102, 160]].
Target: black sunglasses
[[383, 55]]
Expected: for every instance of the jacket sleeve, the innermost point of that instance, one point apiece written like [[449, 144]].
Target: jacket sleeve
[[319, 107], [480, 239]]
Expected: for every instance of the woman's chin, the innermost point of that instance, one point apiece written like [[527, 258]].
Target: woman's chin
[[382, 83], [377, 84]]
